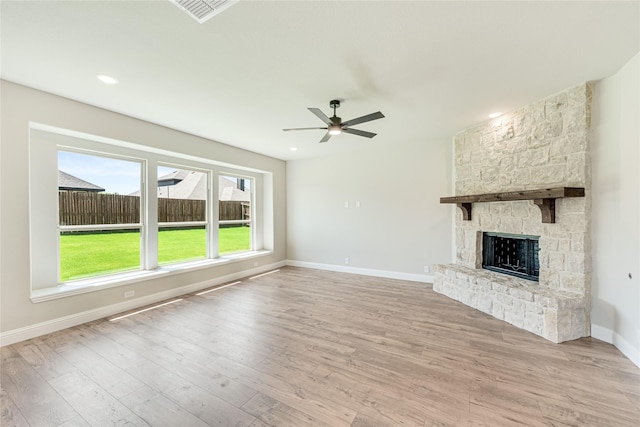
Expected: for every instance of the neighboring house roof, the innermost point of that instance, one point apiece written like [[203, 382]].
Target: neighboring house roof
[[184, 184], [71, 183], [189, 185], [229, 191], [172, 178]]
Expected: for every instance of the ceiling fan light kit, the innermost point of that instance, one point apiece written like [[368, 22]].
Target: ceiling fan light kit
[[335, 125]]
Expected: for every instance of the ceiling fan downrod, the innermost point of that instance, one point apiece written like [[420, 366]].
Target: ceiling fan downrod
[[334, 104]]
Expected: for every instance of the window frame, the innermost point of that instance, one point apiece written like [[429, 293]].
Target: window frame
[[251, 222], [44, 143], [209, 202], [140, 225]]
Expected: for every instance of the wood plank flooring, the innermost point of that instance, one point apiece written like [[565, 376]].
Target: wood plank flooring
[[303, 347]]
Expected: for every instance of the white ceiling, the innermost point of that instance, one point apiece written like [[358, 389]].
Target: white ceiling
[[433, 68]]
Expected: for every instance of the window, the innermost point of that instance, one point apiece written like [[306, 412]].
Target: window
[[182, 214], [99, 223], [104, 213], [234, 219]]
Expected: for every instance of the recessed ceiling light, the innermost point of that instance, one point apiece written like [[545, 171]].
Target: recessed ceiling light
[[107, 79], [293, 148], [494, 115]]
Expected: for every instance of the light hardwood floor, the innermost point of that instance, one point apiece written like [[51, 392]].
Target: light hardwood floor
[[305, 347]]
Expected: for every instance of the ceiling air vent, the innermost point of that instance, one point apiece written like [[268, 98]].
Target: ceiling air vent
[[203, 10]]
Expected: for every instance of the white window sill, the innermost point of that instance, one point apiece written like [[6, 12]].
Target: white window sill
[[64, 290]]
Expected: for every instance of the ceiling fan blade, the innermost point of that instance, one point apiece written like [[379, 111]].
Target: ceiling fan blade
[[326, 137], [367, 118], [301, 129], [359, 132], [322, 116]]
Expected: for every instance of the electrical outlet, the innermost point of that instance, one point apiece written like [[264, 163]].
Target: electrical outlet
[[129, 294], [346, 260], [346, 204], [427, 269], [357, 203]]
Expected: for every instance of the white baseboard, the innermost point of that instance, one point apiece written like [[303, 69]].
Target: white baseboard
[[38, 329], [364, 271], [611, 337], [602, 333]]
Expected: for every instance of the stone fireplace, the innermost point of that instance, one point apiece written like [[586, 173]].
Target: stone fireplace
[[541, 146]]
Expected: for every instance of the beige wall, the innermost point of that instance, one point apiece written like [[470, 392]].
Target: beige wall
[[616, 210], [400, 226], [21, 105]]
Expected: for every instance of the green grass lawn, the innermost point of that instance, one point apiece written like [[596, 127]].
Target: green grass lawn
[[86, 255]]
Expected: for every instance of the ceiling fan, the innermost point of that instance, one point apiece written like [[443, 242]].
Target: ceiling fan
[[335, 125]]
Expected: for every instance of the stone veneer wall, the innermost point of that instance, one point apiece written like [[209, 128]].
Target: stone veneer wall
[[543, 145]]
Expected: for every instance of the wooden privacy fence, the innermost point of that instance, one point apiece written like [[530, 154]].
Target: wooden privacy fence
[[83, 208], [181, 210], [229, 210]]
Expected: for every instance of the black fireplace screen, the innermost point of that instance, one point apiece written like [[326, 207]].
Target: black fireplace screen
[[512, 254]]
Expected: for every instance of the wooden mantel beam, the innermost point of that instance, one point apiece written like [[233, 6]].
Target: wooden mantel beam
[[545, 199]]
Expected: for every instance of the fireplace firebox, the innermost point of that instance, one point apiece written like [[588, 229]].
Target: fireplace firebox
[[513, 254]]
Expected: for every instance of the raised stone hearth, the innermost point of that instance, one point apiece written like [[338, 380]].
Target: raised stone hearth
[[554, 314], [542, 145]]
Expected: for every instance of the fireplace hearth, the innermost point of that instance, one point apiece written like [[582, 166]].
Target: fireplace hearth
[[515, 255]]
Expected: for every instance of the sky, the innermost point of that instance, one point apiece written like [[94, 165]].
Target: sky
[[114, 175]]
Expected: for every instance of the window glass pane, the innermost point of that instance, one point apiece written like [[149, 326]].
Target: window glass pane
[[234, 238], [178, 244], [94, 191], [97, 190], [94, 253], [234, 233], [182, 195], [182, 199]]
